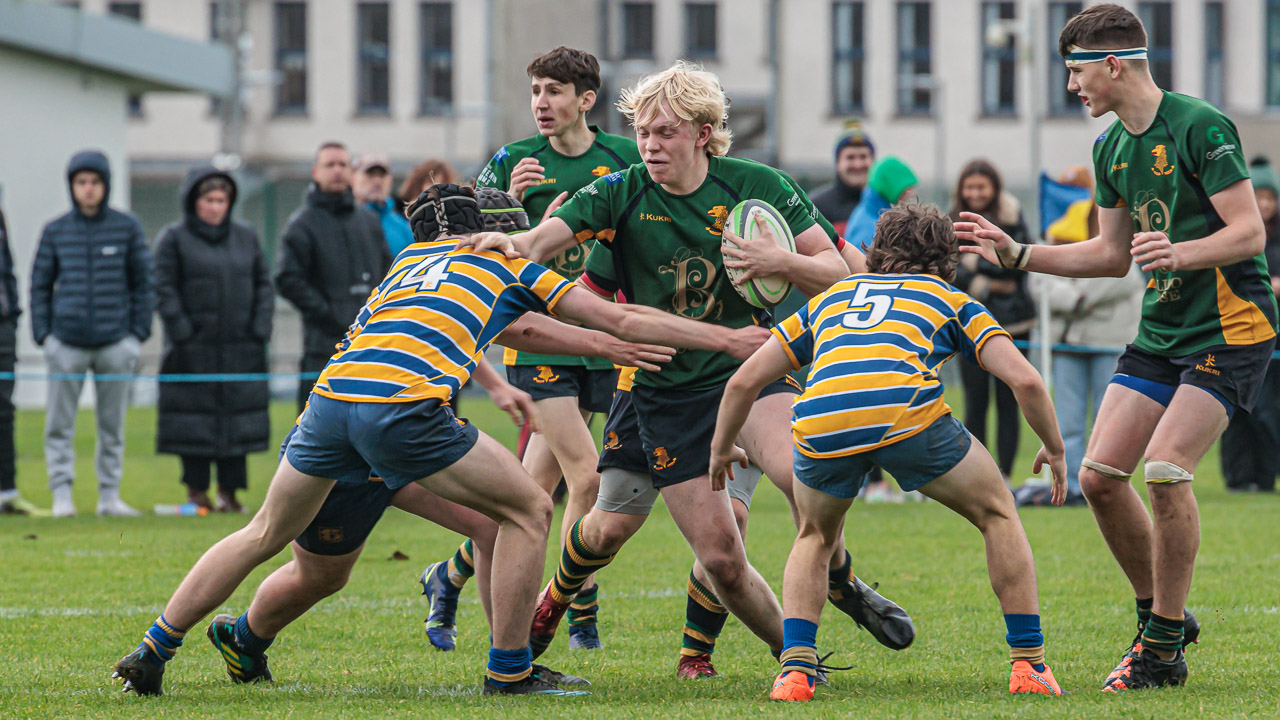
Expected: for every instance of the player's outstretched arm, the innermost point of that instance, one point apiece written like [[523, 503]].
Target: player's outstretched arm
[[1104, 256], [1243, 236], [534, 333], [766, 365], [549, 239], [1000, 358], [640, 324], [815, 265]]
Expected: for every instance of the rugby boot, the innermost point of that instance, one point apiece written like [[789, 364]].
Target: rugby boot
[[1024, 679], [531, 685], [888, 623], [140, 673], [242, 666], [559, 679], [1190, 634], [545, 620], [584, 637], [442, 596], [1147, 670], [792, 686], [696, 667]]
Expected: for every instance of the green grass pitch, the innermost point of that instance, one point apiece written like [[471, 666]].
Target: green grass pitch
[[76, 594]]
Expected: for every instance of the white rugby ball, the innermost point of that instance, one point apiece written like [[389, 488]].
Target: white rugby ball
[[762, 292]]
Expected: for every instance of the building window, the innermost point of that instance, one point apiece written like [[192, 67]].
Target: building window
[[1215, 79], [999, 62], [637, 30], [291, 58], [915, 61], [373, 52], [1157, 18], [1061, 100], [129, 11], [436, 90], [1273, 54], [699, 30], [848, 58]]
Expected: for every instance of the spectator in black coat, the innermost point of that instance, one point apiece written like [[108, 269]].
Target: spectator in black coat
[[332, 255], [854, 157], [1004, 292], [11, 502], [91, 306], [215, 299]]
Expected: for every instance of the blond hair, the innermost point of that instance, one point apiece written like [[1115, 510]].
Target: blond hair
[[692, 93]]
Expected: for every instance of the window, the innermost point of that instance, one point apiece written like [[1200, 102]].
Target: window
[[1214, 76], [848, 58], [291, 58], [1157, 18], [999, 62], [1061, 100], [436, 80], [637, 30], [915, 80], [699, 29], [1273, 54], [373, 53], [129, 11]]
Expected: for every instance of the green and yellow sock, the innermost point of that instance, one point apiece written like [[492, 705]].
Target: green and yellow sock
[[577, 563], [585, 606], [704, 618], [1162, 636], [1143, 606], [839, 579], [462, 566]]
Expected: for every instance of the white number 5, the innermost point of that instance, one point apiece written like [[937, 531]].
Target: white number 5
[[875, 307]]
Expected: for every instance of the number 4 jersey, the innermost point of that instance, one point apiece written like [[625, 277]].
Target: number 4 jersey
[[418, 335], [875, 343]]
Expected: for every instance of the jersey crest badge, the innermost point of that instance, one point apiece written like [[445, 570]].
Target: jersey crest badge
[[600, 170], [718, 214], [1162, 166]]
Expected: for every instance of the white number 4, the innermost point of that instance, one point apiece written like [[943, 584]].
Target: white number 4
[[428, 274], [867, 310]]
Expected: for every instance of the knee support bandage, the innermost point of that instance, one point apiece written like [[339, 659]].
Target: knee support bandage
[[1105, 470], [1159, 472]]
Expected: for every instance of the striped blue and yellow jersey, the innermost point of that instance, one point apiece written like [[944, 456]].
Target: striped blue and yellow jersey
[[875, 343], [423, 327]]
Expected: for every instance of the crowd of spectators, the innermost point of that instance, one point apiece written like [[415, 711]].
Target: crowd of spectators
[[96, 282]]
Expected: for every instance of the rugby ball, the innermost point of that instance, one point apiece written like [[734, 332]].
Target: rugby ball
[[762, 292]]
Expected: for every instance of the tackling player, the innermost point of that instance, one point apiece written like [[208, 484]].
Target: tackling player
[[662, 221], [876, 341], [1174, 195], [564, 156], [381, 407]]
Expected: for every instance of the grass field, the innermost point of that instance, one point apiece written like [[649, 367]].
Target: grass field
[[76, 594]]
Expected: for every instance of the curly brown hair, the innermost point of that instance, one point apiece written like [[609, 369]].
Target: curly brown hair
[[914, 239]]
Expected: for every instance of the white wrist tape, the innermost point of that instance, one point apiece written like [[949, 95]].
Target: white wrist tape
[[1015, 255]]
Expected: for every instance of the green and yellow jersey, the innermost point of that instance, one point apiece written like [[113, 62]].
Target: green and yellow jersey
[[1165, 177], [664, 250], [562, 173]]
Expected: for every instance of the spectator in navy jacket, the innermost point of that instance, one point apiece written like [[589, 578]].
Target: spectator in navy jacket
[[91, 305], [11, 503]]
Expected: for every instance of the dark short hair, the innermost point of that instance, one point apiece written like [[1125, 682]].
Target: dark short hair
[[1102, 27], [330, 145], [915, 239], [567, 65]]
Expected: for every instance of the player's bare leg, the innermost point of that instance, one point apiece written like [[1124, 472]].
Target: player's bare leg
[[766, 437], [1124, 425], [296, 587], [705, 616]]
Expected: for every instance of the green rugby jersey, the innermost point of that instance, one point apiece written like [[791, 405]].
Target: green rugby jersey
[[1165, 176], [562, 173], [665, 250]]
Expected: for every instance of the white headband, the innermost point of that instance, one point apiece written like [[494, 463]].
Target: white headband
[[1077, 55]]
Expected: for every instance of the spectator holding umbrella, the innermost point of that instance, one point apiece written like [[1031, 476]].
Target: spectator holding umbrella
[[215, 300]]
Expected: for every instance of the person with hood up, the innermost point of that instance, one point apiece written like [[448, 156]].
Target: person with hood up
[[215, 300], [854, 156], [332, 255], [891, 181], [97, 259]]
